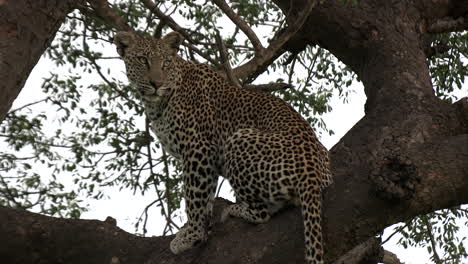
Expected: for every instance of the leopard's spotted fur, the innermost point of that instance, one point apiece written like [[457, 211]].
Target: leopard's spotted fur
[[266, 150]]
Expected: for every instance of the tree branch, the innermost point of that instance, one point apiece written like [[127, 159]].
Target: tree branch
[[225, 62], [26, 29], [109, 15], [367, 252], [436, 9], [167, 19], [390, 258], [239, 22], [266, 56], [28, 236], [431, 238], [268, 87], [448, 24]]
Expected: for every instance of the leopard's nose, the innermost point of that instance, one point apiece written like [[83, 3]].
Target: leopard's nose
[[154, 85]]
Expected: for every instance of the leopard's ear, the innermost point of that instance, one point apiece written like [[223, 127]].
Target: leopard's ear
[[173, 40], [124, 40]]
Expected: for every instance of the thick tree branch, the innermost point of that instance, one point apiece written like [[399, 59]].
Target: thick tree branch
[[27, 27], [448, 25], [436, 9], [278, 241], [459, 8], [225, 62], [239, 22], [390, 258], [367, 252], [31, 238], [109, 15]]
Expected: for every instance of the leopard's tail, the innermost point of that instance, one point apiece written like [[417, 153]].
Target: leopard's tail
[[311, 205]]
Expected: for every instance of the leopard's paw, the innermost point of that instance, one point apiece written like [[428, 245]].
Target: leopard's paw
[[187, 238]]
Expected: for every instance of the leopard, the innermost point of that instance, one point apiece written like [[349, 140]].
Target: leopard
[[267, 151]]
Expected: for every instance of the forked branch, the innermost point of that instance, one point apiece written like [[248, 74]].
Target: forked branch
[[225, 61], [166, 19], [236, 19], [265, 57]]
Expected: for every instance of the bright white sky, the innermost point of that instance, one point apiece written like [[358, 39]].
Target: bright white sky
[[126, 208]]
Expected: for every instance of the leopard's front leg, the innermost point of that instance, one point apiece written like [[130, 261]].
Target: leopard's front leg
[[200, 182]]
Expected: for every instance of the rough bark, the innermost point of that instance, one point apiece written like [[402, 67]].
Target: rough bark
[[27, 27], [406, 157]]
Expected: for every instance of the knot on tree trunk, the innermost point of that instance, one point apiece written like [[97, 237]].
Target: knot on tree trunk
[[396, 179]]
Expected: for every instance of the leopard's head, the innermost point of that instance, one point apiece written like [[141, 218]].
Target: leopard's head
[[149, 61]]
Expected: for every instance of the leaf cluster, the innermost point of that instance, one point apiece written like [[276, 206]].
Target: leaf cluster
[[438, 232]]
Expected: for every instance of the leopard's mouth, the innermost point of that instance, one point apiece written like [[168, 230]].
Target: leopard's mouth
[[155, 85]]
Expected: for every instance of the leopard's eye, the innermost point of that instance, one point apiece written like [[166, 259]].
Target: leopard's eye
[[143, 60]]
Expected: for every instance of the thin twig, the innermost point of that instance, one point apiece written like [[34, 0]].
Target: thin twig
[[9, 194], [153, 175], [310, 69], [93, 62], [431, 238], [291, 70], [201, 53], [167, 195], [219, 187], [27, 105]]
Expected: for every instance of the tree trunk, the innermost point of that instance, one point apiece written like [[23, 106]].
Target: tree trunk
[[406, 157], [27, 27]]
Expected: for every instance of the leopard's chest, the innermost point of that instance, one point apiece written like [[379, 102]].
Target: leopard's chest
[[169, 135], [186, 122], [165, 140]]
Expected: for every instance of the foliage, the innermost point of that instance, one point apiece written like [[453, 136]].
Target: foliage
[[89, 130], [21, 184], [437, 231], [449, 65]]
